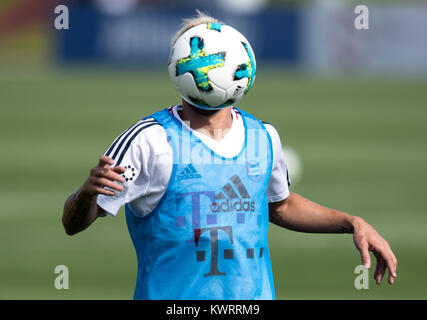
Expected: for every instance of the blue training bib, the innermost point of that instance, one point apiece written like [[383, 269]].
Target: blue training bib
[[207, 238]]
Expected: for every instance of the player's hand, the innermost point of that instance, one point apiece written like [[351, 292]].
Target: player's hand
[[103, 175], [367, 239]]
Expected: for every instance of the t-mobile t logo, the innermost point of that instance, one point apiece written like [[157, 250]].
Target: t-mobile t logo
[[213, 235]]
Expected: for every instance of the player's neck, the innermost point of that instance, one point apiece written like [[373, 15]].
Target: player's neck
[[214, 124]]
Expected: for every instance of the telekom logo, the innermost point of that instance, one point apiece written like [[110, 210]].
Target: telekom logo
[[213, 236]]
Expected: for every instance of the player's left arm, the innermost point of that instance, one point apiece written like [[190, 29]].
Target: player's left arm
[[300, 214]]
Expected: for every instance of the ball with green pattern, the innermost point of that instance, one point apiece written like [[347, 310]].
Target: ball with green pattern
[[212, 66]]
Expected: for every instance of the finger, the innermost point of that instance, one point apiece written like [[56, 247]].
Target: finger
[[100, 190], [391, 277], [394, 273], [389, 259], [364, 254], [392, 254], [107, 173], [381, 270], [99, 171], [105, 160], [119, 169], [113, 176], [103, 182], [377, 267], [391, 268], [394, 259], [395, 269]]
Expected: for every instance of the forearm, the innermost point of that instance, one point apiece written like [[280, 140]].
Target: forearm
[[300, 214], [80, 210]]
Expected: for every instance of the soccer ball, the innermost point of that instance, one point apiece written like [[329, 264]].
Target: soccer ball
[[212, 66]]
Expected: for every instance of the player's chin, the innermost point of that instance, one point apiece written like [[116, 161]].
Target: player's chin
[[205, 112]]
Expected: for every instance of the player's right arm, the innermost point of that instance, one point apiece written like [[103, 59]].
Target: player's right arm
[[81, 209]]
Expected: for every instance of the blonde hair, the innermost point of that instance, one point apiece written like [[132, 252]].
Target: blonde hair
[[188, 23]]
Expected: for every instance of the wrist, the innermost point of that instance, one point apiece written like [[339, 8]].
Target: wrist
[[354, 222]]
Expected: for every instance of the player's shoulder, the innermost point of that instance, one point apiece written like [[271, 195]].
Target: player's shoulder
[[270, 127], [141, 135], [272, 131]]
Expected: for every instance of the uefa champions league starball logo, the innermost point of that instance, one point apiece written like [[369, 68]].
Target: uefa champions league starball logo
[[129, 174]]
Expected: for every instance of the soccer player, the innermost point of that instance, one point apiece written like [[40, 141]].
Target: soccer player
[[200, 188]]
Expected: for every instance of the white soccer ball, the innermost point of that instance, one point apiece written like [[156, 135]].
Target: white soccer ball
[[212, 66]]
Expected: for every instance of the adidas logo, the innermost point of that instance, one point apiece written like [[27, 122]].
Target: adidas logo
[[229, 200], [189, 173]]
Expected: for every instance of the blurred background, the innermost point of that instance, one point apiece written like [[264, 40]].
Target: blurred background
[[350, 106]]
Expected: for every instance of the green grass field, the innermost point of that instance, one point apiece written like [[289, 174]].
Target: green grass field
[[362, 143]]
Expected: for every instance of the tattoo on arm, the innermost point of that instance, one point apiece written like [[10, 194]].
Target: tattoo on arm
[[76, 209]]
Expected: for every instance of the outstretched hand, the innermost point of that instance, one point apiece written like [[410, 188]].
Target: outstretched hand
[[367, 239]]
